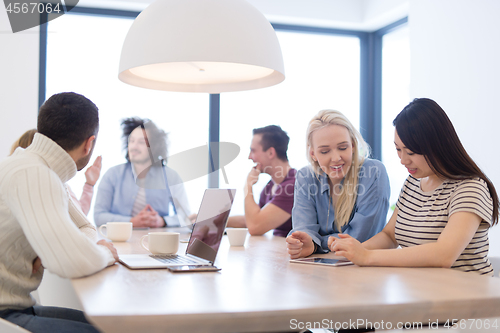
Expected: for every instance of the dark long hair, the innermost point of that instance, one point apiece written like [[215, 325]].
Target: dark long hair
[[425, 129]]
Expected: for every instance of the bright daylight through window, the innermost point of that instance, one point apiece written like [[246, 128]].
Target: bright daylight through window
[[322, 71]]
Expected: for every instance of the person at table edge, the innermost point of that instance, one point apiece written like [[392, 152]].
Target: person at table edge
[[36, 229]]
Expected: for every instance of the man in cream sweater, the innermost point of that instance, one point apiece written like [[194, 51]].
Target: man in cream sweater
[[37, 222]]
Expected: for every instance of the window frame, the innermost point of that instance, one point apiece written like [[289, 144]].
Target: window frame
[[370, 113]]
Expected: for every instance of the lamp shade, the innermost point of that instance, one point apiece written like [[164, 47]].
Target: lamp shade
[[209, 46]]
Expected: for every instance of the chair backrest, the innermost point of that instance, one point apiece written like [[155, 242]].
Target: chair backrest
[[495, 262], [56, 291], [7, 327]]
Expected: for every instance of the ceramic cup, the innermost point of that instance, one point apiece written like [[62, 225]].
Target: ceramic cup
[[237, 236], [161, 242], [117, 231]]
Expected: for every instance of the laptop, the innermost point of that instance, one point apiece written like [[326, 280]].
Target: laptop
[[205, 237]]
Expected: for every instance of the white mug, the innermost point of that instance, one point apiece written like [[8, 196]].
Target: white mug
[[117, 231], [161, 242], [237, 236]]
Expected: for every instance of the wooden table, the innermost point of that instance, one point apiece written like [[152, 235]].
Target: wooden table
[[258, 290]]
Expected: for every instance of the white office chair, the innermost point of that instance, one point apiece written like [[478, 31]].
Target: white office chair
[[35, 295], [7, 327], [495, 262], [56, 291]]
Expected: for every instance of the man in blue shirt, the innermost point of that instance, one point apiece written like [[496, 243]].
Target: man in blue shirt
[[137, 190]]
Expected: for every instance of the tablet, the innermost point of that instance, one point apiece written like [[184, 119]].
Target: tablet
[[323, 261]]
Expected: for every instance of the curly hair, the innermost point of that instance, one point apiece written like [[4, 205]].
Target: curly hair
[[156, 138]]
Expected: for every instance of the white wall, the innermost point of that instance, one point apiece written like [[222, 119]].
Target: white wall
[[455, 60], [18, 82]]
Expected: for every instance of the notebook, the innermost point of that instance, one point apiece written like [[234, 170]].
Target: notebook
[[205, 237]]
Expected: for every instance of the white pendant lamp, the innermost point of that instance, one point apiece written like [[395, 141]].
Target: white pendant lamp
[[209, 46]]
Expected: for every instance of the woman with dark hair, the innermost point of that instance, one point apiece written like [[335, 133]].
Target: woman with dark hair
[[446, 205]]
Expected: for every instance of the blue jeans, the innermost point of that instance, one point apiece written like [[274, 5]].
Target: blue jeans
[[47, 319]]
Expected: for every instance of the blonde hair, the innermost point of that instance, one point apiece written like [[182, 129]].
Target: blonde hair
[[361, 151], [24, 140]]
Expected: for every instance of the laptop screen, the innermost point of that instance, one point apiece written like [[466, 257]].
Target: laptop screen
[[210, 223]]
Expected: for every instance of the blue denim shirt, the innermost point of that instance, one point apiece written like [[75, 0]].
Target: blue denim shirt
[[118, 190], [311, 203]]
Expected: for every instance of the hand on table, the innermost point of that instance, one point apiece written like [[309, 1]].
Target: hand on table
[[110, 246], [350, 248], [299, 245], [148, 217]]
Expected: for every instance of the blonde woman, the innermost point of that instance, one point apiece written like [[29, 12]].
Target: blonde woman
[[24, 140], [342, 191]]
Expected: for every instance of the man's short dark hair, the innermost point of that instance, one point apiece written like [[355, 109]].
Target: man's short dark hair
[[274, 136], [68, 119], [156, 138]]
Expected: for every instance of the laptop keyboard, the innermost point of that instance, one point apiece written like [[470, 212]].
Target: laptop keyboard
[[173, 259]]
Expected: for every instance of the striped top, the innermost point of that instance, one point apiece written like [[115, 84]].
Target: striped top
[[422, 216]]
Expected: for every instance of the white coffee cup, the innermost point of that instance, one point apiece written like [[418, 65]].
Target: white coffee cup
[[161, 242], [117, 231], [237, 236]]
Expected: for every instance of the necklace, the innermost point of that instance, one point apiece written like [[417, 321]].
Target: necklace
[[330, 199], [328, 213]]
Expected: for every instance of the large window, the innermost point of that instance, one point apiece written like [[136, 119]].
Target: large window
[[322, 72], [83, 53], [395, 96], [322, 68]]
